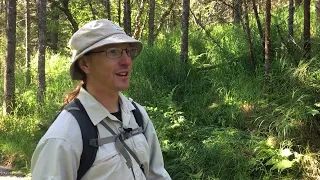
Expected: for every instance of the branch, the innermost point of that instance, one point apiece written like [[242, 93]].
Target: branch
[[207, 32]]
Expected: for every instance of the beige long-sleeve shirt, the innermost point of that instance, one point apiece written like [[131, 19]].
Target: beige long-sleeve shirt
[[57, 155]]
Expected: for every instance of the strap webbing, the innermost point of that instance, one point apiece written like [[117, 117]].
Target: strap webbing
[[122, 147]]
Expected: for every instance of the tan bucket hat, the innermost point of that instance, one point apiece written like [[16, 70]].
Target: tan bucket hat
[[95, 34]]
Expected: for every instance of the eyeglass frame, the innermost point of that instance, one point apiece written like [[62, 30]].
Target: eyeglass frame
[[106, 51]]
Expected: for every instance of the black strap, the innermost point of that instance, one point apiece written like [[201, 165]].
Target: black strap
[[88, 131], [137, 115]]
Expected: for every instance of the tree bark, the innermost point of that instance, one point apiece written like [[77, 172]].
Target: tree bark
[[184, 30], [248, 36], [152, 5], [290, 19], [127, 17], [267, 46], [237, 11], [92, 10], [108, 8], [119, 12], [298, 2], [163, 17], [54, 35], [306, 30], [28, 51], [9, 80], [256, 14], [65, 9], [41, 50], [138, 20]]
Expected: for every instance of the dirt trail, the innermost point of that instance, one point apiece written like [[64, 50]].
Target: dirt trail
[[6, 174]]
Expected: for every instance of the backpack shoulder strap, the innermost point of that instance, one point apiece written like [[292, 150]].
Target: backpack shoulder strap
[[138, 116], [88, 131]]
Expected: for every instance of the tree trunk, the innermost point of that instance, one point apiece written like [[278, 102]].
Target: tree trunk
[[267, 46], [127, 17], [119, 12], [290, 19], [91, 9], [41, 49], [163, 17], [237, 11], [54, 35], [248, 36], [108, 8], [306, 30], [9, 80], [65, 9], [152, 5], [184, 30], [28, 51], [256, 14], [298, 2], [138, 20]]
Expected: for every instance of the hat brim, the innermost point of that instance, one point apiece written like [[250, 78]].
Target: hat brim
[[76, 73]]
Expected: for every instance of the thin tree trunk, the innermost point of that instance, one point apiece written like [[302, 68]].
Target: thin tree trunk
[[108, 8], [152, 5], [184, 31], [267, 46], [127, 17], [237, 11], [92, 10], [65, 9], [119, 12], [256, 14], [41, 50], [138, 20], [290, 19], [248, 36], [9, 80], [163, 17], [54, 35], [206, 31], [306, 30], [28, 51], [298, 2]]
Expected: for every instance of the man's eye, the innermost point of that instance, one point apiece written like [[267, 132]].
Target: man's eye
[[113, 51]]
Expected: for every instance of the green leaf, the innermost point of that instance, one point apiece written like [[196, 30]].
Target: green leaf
[[282, 165], [313, 112]]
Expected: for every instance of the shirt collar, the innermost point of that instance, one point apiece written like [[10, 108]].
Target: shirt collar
[[97, 112]]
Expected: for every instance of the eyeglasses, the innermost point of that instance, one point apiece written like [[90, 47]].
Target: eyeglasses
[[115, 53]]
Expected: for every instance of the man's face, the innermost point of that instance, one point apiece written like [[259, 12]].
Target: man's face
[[109, 67]]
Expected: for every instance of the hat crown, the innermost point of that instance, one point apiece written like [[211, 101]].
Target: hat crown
[[93, 32]]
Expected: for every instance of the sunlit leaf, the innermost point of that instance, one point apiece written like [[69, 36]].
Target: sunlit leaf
[[282, 165]]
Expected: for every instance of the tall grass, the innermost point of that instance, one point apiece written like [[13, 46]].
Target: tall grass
[[221, 123]]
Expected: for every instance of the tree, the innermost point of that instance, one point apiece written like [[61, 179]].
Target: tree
[[41, 49], [318, 11], [54, 28], [267, 46], [290, 19], [8, 77], [108, 8], [92, 10], [248, 35], [237, 11], [164, 16], [28, 51], [64, 7], [306, 30], [127, 17], [184, 30], [119, 12], [256, 14], [152, 5], [139, 23]]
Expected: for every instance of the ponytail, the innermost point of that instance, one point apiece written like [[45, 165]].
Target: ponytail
[[72, 94]]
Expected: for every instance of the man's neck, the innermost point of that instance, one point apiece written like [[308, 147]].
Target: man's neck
[[109, 99]]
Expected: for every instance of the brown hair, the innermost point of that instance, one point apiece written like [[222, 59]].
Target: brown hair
[[72, 94]]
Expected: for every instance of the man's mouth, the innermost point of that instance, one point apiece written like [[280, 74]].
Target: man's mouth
[[122, 74]]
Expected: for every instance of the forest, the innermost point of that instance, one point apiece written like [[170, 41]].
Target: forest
[[232, 86]]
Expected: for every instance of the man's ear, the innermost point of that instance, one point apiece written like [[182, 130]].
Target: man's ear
[[82, 63]]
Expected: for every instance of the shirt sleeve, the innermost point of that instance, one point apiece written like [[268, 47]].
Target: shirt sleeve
[[156, 165], [54, 159]]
